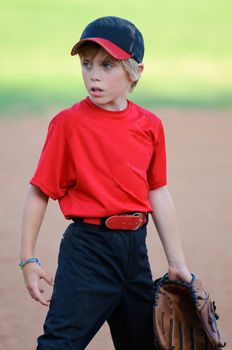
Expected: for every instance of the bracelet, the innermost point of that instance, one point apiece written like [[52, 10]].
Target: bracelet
[[31, 260]]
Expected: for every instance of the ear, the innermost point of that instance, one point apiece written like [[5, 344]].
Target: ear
[[140, 68], [136, 75]]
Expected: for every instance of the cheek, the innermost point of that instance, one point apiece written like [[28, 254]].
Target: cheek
[[122, 80], [85, 76], [126, 78], [83, 73]]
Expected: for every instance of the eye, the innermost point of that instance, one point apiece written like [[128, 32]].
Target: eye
[[107, 65], [86, 64]]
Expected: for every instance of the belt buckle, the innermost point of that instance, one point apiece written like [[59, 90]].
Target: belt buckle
[[139, 224], [124, 223]]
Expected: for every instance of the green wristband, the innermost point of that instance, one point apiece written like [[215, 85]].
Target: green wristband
[[31, 260]]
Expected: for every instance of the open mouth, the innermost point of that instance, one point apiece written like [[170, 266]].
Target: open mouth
[[95, 89]]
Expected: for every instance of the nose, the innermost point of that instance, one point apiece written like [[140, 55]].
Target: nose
[[95, 74]]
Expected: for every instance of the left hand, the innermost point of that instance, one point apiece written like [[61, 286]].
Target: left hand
[[181, 273]]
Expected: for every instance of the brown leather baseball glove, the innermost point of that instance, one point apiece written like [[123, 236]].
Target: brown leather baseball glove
[[184, 317]]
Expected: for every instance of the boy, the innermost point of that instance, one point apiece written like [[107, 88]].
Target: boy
[[104, 160]]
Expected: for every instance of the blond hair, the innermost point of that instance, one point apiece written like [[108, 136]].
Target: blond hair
[[130, 65]]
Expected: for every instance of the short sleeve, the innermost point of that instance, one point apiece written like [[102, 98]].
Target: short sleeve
[[157, 171], [55, 170]]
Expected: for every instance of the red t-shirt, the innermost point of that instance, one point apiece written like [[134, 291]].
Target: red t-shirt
[[98, 163]]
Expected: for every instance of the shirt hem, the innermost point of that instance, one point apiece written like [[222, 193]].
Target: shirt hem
[[45, 190], [157, 185]]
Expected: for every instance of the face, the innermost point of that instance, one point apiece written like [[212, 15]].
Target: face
[[107, 83]]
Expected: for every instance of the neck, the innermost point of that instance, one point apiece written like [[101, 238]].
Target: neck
[[119, 106]]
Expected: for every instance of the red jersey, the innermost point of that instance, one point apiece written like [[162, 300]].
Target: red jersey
[[98, 162]]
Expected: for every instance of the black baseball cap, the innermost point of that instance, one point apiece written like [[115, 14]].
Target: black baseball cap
[[119, 37]]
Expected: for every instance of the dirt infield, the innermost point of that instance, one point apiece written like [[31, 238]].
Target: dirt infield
[[199, 146]]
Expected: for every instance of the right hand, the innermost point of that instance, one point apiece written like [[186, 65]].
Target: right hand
[[32, 274], [179, 273]]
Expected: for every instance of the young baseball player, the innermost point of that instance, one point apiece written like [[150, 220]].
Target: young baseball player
[[104, 161]]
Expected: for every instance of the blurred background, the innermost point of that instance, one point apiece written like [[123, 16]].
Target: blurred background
[[187, 58], [187, 82]]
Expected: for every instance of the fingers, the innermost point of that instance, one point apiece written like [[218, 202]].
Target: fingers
[[181, 273], [47, 278], [36, 294], [32, 276]]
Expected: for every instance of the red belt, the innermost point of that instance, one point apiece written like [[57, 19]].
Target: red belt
[[121, 221]]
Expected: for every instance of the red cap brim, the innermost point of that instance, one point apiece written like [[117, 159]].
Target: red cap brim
[[111, 48]]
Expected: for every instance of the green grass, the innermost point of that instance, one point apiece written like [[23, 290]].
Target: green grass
[[187, 51]]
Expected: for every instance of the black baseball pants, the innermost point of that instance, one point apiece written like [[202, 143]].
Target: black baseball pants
[[103, 275]]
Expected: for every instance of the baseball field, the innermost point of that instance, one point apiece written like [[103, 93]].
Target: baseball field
[[187, 82]]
